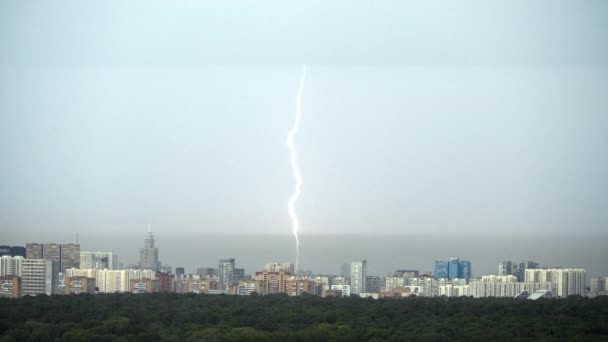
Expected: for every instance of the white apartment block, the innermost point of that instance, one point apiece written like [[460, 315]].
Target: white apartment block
[[345, 289], [488, 288], [451, 290], [36, 277], [391, 283], [10, 265], [110, 281], [567, 281], [358, 274]]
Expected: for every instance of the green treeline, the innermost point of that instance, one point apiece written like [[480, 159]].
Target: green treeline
[[175, 317]]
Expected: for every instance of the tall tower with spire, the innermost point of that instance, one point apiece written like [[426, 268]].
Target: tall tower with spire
[[148, 256]]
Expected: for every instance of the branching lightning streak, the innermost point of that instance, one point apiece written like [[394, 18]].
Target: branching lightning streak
[[295, 223]]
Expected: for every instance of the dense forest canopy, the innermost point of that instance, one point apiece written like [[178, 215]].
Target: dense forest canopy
[[174, 317]]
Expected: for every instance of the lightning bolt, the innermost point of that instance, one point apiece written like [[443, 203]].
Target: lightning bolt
[[295, 223]]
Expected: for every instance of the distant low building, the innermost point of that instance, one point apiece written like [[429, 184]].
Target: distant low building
[[404, 291], [201, 286], [271, 282], [246, 287], [599, 286], [341, 290], [10, 286], [298, 286], [392, 283], [451, 290], [166, 282], [79, 285], [143, 285], [373, 284]]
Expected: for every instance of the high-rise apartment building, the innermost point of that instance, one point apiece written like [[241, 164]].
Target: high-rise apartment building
[[358, 275], [63, 255], [52, 251], [111, 281], [373, 284], [148, 256], [523, 266], [70, 256], [166, 282], [504, 286], [567, 281], [392, 283], [271, 282], [11, 265], [239, 274], [345, 271], [298, 286], [505, 268], [226, 271], [246, 287], [37, 277]]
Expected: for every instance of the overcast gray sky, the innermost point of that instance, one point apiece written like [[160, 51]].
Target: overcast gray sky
[[425, 116]]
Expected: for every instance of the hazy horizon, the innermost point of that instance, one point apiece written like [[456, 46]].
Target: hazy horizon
[[324, 253]]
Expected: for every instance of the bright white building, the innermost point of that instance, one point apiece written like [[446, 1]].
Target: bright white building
[[393, 282], [504, 286], [344, 288], [111, 281], [358, 275], [567, 281], [37, 277], [451, 290], [10, 265]]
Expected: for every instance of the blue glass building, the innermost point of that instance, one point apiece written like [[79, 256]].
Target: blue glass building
[[465, 270], [441, 269], [453, 269]]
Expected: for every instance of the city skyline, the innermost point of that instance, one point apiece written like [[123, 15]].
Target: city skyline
[[335, 250]]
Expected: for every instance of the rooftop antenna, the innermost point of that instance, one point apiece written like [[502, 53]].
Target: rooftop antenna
[[148, 228], [76, 237]]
